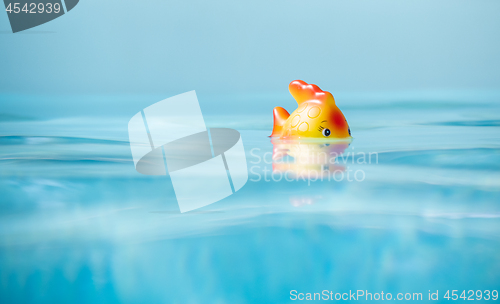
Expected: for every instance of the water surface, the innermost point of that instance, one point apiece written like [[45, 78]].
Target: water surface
[[78, 224]]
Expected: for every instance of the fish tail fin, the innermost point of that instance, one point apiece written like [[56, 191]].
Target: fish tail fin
[[280, 116]]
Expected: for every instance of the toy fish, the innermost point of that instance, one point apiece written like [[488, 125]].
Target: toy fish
[[317, 116]]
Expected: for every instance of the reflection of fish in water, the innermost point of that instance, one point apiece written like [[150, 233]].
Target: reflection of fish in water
[[307, 159], [300, 201], [316, 117]]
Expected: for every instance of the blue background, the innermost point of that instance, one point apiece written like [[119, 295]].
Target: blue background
[[117, 47], [418, 81]]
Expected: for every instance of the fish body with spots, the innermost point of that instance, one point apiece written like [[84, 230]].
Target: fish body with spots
[[317, 115]]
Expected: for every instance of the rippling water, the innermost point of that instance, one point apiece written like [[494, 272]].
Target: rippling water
[[78, 224]]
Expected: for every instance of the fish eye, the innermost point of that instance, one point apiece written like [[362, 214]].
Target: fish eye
[[326, 132]]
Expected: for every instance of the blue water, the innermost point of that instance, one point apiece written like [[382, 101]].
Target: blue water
[[78, 224]]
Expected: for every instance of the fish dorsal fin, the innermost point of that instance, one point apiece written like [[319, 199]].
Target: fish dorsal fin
[[302, 91]]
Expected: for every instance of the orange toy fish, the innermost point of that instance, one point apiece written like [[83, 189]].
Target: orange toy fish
[[316, 117]]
